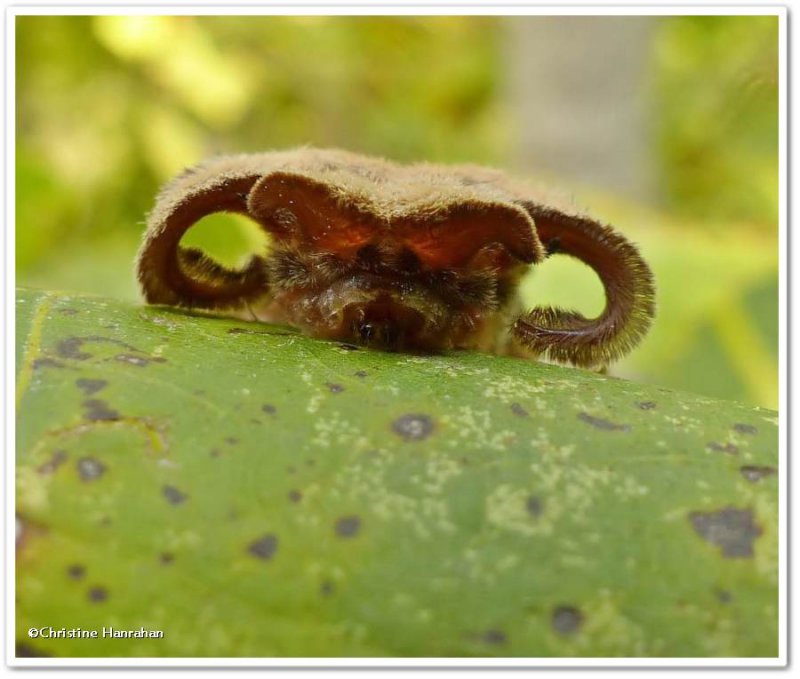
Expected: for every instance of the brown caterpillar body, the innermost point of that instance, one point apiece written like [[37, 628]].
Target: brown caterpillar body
[[421, 257]]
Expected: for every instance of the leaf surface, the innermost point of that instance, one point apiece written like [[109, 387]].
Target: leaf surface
[[255, 493]]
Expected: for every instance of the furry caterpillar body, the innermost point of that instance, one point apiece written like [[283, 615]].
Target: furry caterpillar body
[[419, 257]]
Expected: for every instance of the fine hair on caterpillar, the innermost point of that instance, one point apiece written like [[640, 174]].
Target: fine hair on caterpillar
[[418, 257]]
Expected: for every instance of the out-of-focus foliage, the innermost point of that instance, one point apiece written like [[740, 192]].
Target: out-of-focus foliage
[[716, 94], [108, 108], [717, 124]]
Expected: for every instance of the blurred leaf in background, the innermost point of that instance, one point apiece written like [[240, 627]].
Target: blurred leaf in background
[[710, 234], [716, 92], [110, 107]]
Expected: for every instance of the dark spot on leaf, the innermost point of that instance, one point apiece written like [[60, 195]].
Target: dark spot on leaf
[[76, 571], [25, 650], [600, 423], [90, 387], [724, 596], [413, 427], [295, 495], [232, 440], [755, 473], [334, 388], [97, 410], [744, 428], [71, 346], [495, 637], [291, 469], [566, 620], [349, 347], [68, 311], [215, 452], [269, 409], [166, 558], [47, 363], [56, 460], [265, 547], [647, 405], [534, 506], [518, 410], [173, 495], [98, 594], [348, 526], [732, 530], [327, 588], [90, 469], [729, 448], [310, 462], [361, 373]]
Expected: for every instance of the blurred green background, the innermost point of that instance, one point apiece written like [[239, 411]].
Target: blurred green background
[[108, 108]]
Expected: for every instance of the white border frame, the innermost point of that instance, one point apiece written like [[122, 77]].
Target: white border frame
[[419, 9]]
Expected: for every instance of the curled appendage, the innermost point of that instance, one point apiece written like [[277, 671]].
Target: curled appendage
[[569, 337], [170, 274]]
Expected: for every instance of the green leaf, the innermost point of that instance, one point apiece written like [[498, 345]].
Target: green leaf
[[252, 492]]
